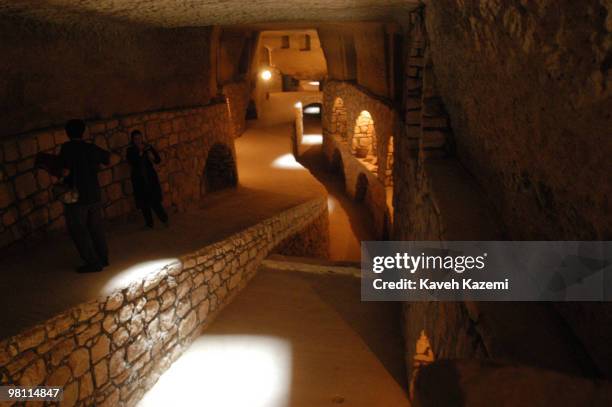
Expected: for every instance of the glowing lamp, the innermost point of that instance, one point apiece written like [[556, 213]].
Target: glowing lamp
[[266, 75]]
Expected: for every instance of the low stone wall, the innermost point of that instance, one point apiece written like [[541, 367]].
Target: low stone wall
[[238, 95], [311, 242], [362, 184], [27, 208], [356, 100], [109, 351], [338, 132]]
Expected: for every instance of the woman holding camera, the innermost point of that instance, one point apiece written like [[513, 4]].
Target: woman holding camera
[[145, 182]]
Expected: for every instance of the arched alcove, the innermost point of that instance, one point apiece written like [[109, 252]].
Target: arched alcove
[[361, 188], [339, 119], [220, 171], [364, 137]]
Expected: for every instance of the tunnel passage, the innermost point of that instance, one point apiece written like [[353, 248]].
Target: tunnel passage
[[364, 137], [220, 170], [361, 188], [313, 110], [338, 120]]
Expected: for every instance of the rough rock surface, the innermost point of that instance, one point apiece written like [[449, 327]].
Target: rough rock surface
[[488, 383], [206, 12], [528, 89]]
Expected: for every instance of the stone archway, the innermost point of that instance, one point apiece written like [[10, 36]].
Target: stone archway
[[339, 125], [220, 170], [363, 144]]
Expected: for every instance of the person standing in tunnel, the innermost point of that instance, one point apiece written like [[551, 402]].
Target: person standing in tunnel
[[145, 181], [80, 162]]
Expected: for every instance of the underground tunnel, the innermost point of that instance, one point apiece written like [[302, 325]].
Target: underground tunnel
[[196, 199]]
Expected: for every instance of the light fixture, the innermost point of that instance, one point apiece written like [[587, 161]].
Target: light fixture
[[266, 75], [314, 83]]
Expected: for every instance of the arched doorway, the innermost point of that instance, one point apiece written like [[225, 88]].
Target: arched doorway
[[361, 188], [220, 171], [338, 120], [364, 138]]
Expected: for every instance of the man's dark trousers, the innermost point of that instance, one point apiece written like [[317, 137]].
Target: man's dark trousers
[[85, 224]]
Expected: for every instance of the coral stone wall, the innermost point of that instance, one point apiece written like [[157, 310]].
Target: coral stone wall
[[109, 351], [338, 121], [183, 138], [528, 87]]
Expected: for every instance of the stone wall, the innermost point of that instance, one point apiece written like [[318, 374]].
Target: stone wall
[[27, 208], [339, 129], [108, 352], [528, 88], [311, 242], [237, 96]]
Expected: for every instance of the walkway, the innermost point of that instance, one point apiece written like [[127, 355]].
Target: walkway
[[349, 222], [289, 339], [40, 282], [296, 339], [292, 339]]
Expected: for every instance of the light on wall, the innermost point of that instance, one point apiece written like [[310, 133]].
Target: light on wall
[[266, 75]]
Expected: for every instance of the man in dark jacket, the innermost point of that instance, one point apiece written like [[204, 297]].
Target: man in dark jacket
[[81, 162], [142, 158]]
